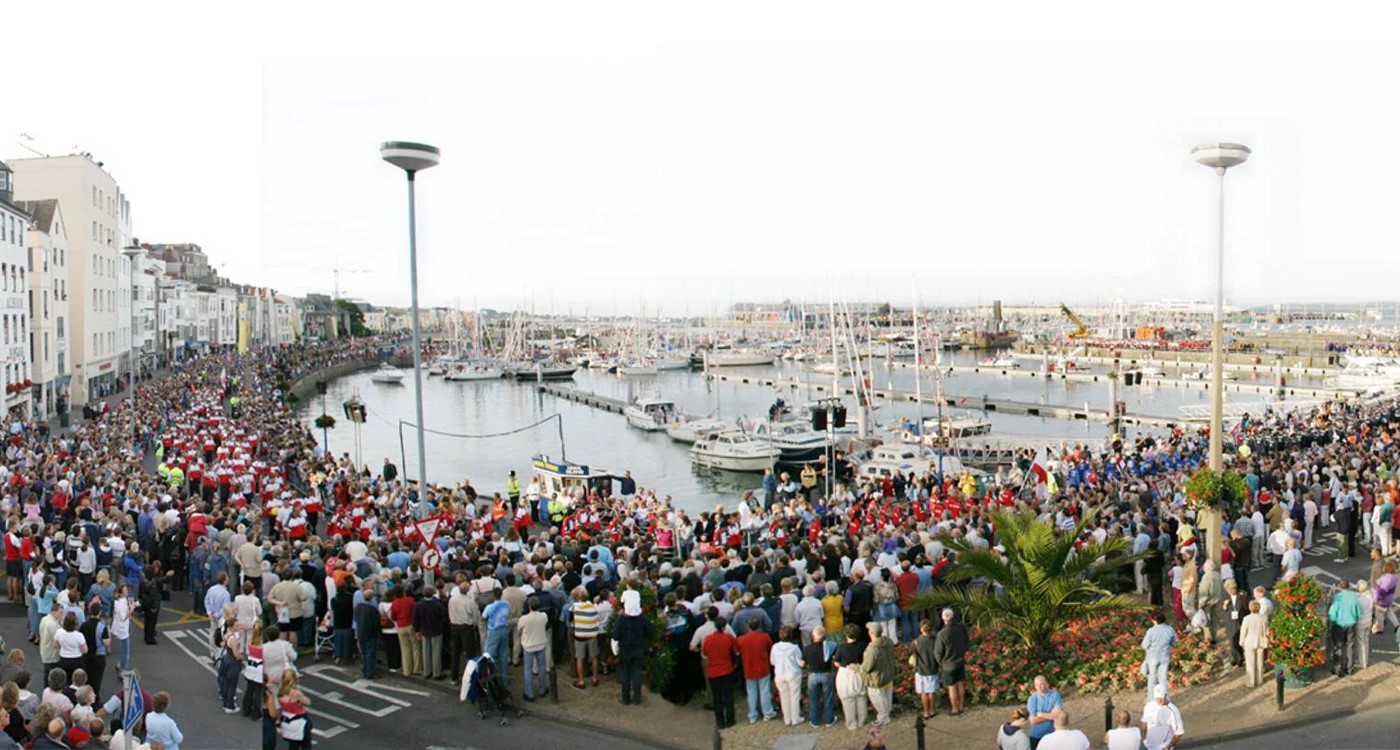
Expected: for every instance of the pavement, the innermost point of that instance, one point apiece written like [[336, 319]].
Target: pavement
[[347, 712], [1364, 730]]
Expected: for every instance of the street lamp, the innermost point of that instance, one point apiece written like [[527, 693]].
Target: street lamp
[[1219, 157], [413, 158], [132, 253]]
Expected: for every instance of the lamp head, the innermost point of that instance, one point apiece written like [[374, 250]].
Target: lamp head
[[131, 251], [1220, 156], [408, 156]]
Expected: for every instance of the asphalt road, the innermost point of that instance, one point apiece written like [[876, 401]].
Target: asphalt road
[[1368, 730], [347, 712]]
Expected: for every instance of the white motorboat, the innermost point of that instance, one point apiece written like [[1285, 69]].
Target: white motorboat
[[796, 440], [469, 371], [830, 368], [690, 429], [1003, 363], [903, 458], [387, 374], [636, 368], [733, 451], [1363, 378], [955, 425], [1206, 375], [673, 362], [442, 365], [739, 358], [652, 415]]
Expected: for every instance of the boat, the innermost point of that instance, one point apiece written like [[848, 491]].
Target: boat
[[636, 367], [650, 414], [527, 371], [830, 368], [955, 425], [672, 362], [468, 371], [796, 440], [567, 478], [442, 365], [733, 450], [903, 458], [690, 429], [1206, 375], [1363, 378], [387, 374], [1147, 371], [739, 358], [1004, 363]]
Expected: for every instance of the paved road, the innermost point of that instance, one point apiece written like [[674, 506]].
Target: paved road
[[348, 713], [1369, 730]]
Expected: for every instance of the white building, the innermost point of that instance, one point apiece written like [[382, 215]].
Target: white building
[[48, 307], [225, 334], [286, 320], [98, 221], [14, 301]]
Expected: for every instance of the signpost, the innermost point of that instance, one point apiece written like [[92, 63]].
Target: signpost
[[432, 558], [427, 527], [133, 706]]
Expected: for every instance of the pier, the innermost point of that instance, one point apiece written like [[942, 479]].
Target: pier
[[1159, 381], [606, 403], [1000, 406]]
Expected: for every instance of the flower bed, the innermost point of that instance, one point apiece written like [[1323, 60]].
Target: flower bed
[[1096, 656]]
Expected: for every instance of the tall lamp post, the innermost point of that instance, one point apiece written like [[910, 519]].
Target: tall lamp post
[[132, 253], [1219, 157], [413, 158]]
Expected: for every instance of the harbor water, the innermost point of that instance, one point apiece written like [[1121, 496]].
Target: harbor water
[[479, 429]]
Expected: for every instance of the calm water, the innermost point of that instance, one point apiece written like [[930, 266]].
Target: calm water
[[601, 439]]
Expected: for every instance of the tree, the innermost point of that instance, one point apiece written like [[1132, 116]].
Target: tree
[[1045, 584], [356, 316]]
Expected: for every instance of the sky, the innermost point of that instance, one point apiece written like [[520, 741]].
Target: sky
[[668, 158]]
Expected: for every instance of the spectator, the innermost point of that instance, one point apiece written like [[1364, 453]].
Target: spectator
[[786, 660]]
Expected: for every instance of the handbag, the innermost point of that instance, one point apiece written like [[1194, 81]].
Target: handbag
[[292, 727]]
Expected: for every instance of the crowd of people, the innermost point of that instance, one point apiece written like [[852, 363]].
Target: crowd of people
[[224, 495]]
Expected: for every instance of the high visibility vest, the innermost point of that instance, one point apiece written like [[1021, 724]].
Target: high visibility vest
[[513, 487], [556, 510], [498, 510]]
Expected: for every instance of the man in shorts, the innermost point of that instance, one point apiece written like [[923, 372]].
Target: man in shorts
[[587, 624], [950, 651], [926, 671]]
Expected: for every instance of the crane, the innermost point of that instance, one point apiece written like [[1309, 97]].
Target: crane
[[1080, 330], [335, 272]]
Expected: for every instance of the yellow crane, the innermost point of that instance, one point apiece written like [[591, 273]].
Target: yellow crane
[[1080, 330]]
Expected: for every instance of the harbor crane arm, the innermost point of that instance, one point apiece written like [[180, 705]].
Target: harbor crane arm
[[1080, 330]]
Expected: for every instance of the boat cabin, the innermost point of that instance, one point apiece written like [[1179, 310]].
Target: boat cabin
[[566, 477]]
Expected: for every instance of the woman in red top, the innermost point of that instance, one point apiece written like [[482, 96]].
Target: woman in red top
[[719, 649]]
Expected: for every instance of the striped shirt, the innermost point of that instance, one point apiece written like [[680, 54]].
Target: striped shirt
[[586, 620]]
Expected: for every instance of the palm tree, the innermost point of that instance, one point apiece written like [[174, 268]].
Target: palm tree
[[1045, 584]]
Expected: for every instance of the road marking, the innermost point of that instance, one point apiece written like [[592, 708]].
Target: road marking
[[178, 638], [1316, 572]]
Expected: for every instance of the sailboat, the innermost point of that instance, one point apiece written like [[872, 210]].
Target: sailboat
[[477, 368]]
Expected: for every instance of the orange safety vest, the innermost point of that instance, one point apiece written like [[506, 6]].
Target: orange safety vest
[[498, 510]]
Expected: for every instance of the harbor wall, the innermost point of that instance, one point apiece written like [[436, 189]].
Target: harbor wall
[[305, 386]]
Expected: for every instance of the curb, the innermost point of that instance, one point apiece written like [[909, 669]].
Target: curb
[[1287, 724], [546, 712]]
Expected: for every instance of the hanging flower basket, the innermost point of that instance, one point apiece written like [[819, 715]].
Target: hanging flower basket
[[325, 421], [1225, 491], [1296, 629]]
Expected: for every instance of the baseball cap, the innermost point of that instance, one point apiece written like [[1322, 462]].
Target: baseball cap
[[1159, 692]]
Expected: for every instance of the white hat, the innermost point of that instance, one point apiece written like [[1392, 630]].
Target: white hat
[[1159, 692]]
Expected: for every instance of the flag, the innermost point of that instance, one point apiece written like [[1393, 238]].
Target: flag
[[1039, 468]]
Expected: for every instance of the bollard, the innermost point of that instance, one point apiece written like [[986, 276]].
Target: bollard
[[1278, 687], [919, 731], [1108, 714]]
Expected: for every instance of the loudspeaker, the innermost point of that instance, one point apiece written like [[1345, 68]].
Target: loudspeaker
[[819, 419], [838, 417]]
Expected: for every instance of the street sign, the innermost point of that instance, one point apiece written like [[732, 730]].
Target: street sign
[[134, 705], [432, 558], [428, 527]]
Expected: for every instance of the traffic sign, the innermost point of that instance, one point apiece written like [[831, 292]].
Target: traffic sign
[[427, 527], [135, 706], [432, 558]]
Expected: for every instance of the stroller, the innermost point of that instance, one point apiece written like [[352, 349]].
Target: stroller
[[485, 689], [325, 639]]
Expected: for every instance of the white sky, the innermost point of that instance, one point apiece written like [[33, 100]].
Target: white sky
[[608, 156]]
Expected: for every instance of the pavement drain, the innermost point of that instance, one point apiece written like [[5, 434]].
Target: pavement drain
[[796, 742]]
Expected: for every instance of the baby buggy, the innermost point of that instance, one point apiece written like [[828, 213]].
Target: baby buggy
[[483, 686]]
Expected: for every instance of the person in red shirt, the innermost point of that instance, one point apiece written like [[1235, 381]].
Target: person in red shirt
[[758, 676], [908, 584], [719, 649], [401, 612]]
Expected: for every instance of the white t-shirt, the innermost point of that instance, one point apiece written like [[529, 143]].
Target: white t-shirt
[[70, 644], [1125, 738], [121, 618], [1163, 723], [1064, 739]]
